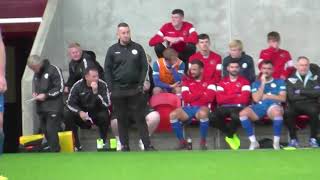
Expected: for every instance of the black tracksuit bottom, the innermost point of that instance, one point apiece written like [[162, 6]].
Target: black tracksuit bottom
[[50, 125], [219, 119], [295, 109], [100, 118], [131, 103]]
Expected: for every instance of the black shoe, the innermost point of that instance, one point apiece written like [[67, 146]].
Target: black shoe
[[125, 148], [150, 148], [78, 148]]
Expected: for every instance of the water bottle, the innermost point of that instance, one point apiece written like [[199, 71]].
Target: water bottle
[[189, 142]]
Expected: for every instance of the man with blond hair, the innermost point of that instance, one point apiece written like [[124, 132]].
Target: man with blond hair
[[245, 61], [80, 61]]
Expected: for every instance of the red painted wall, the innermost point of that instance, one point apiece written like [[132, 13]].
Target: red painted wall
[[21, 9]]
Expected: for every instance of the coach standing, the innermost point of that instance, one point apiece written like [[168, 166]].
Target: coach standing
[[125, 71], [47, 92]]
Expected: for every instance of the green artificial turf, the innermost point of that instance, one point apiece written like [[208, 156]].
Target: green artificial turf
[[193, 165]]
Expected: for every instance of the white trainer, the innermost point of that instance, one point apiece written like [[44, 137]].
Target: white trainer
[[141, 145], [276, 145], [254, 145]]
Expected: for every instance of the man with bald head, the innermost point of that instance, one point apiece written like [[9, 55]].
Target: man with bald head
[[303, 89], [125, 72]]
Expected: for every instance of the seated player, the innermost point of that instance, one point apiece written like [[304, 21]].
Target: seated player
[[177, 34], [246, 61], [167, 73], [197, 94], [233, 94], [280, 58], [267, 93], [88, 104], [303, 90], [210, 59]]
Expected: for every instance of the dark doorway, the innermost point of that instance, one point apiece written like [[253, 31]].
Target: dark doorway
[[18, 47]]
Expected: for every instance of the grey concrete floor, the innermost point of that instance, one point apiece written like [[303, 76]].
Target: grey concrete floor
[[167, 141]]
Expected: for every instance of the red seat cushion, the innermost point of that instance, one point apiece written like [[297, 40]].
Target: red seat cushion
[[165, 103]]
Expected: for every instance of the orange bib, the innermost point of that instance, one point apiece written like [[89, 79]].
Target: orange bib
[[165, 74]]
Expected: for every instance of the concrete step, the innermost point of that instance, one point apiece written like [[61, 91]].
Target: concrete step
[[167, 141]]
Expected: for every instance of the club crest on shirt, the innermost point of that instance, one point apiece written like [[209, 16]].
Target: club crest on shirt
[[134, 52], [293, 80], [273, 85], [204, 84], [283, 55], [185, 33], [46, 75], [211, 62], [244, 65]]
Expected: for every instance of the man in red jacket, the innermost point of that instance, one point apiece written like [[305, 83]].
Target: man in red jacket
[[210, 59], [233, 94], [197, 94], [280, 58], [177, 34]]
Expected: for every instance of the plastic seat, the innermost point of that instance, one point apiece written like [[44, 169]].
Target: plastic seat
[[302, 121], [165, 103]]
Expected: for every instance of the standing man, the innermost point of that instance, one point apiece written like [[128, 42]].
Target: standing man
[[125, 72], [303, 90], [233, 94], [47, 92], [246, 62], [267, 94], [280, 58], [177, 34], [3, 88], [210, 59]]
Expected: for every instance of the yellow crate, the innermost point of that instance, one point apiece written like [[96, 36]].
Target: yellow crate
[[25, 139], [65, 140]]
